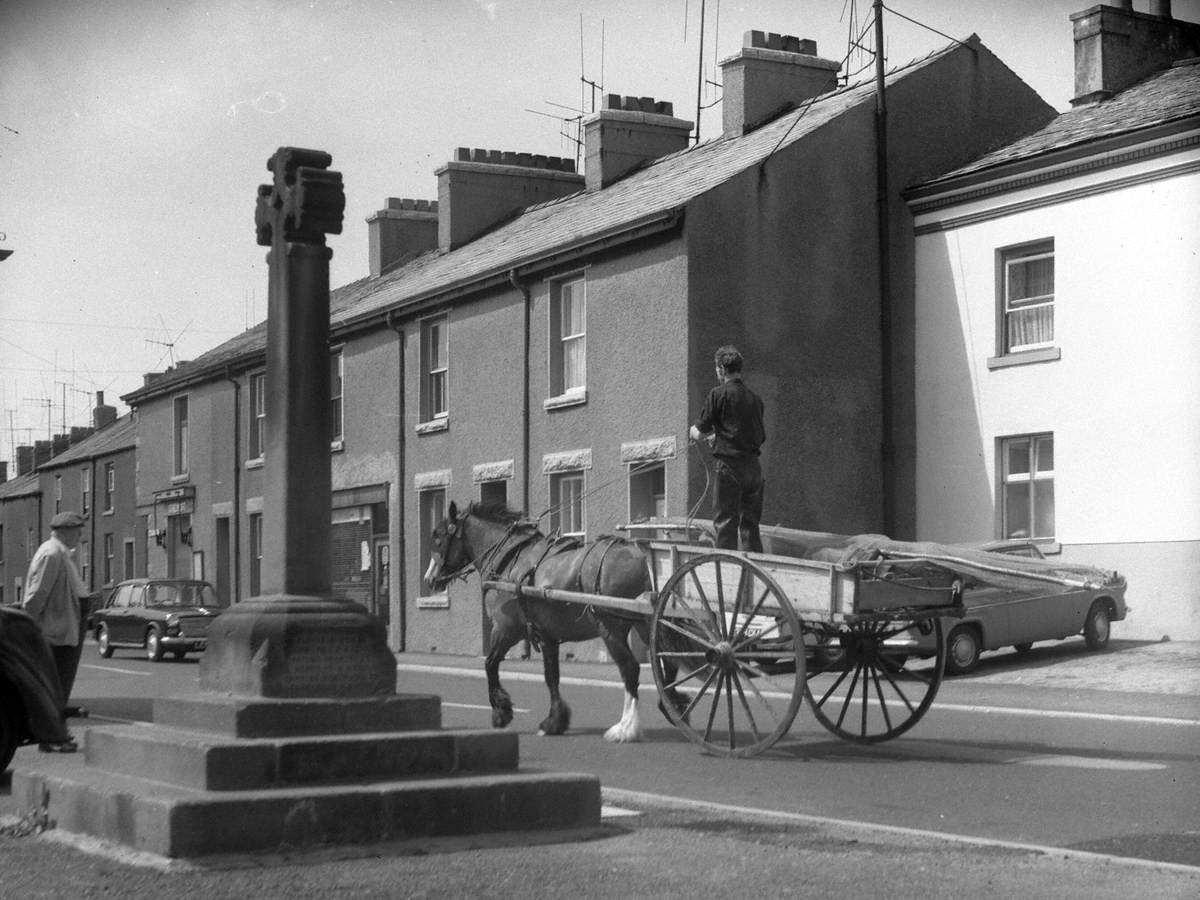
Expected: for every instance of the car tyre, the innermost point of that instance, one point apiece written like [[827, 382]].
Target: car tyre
[[1024, 647], [154, 647], [12, 713], [1096, 626], [179, 654], [962, 650], [104, 643]]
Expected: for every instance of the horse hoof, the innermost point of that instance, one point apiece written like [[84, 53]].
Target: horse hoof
[[619, 735]]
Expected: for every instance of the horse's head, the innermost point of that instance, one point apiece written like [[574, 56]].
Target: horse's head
[[451, 556]]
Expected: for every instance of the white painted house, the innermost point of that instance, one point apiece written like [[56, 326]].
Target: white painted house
[[1058, 327]]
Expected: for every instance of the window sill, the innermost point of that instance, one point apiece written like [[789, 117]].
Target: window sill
[[1050, 548], [337, 446], [180, 478], [570, 398], [1025, 357], [256, 463], [434, 601], [434, 426]]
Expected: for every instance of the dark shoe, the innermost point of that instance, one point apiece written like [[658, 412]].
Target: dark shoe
[[68, 746], [76, 712]]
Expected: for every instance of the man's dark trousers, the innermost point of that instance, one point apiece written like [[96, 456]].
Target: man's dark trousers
[[739, 500]]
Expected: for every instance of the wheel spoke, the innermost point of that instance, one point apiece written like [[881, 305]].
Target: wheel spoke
[[695, 673], [716, 705], [721, 602], [700, 593], [700, 693], [887, 719], [749, 711], [702, 640], [729, 708], [849, 695]]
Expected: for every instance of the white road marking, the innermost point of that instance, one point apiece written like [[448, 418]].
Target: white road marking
[[779, 695], [114, 669], [635, 797], [1086, 762], [516, 709]]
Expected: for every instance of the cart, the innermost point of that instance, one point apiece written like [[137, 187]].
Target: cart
[[739, 640]]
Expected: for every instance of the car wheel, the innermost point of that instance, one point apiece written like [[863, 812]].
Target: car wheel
[[1023, 648], [179, 654], [103, 643], [962, 650], [11, 722], [154, 647], [1096, 626]]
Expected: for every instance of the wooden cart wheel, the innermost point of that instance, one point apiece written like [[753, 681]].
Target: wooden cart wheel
[[729, 672], [876, 691]]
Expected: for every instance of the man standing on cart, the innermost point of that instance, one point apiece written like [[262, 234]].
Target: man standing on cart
[[732, 423]]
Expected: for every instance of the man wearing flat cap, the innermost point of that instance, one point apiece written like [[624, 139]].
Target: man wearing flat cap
[[53, 590]]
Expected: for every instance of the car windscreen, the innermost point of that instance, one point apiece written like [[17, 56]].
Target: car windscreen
[[180, 595]]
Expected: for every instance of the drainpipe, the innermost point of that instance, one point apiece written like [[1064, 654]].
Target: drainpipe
[[237, 485], [92, 529], [887, 476], [399, 564], [524, 289]]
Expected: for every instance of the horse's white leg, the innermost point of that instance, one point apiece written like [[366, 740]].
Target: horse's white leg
[[629, 729]]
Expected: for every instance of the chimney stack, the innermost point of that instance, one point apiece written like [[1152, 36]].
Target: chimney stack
[[3, 471], [102, 415], [771, 73], [42, 451], [626, 133], [80, 433], [1116, 47], [24, 460], [403, 229], [59, 443], [479, 189]]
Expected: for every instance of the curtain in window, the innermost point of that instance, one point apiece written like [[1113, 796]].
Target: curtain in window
[[574, 340], [1030, 308]]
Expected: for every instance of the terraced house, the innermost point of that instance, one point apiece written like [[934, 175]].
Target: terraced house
[[542, 337]]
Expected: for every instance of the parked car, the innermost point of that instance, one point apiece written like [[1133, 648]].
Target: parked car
[[30, 701], [157, 615], [999, 616]]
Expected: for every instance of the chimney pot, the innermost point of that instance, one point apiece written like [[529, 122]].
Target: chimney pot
[[404, 228], [1116, 47], [770, 73], [473, 198]]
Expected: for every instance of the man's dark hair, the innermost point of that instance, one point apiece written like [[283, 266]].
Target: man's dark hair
[[729, 359]]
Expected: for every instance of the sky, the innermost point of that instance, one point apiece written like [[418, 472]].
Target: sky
[[134, 134]]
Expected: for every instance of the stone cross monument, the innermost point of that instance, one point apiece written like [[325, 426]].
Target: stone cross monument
[[297, 640]]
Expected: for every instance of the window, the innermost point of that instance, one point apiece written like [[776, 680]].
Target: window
[[435, 362], [336, 373], [256, 554], [127, 569], [82, 557], [181, 435], [1027, 486], [1027, 297], [494, 492], [258, 416], [568, 337], [85, 490], [58, 493], [109, 558], [433, 510], [110, 485], [566, 503], [647, 491]]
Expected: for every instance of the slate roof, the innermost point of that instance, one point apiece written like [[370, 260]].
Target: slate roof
[[120, 435], [21, 486], [666, 184], [1166, 96]]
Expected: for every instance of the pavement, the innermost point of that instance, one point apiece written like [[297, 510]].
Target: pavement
[[646, 847]]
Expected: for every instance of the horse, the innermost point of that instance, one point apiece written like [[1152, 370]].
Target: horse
[[503, 545]]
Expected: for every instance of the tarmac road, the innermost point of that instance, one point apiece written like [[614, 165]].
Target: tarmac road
[[650, 847]]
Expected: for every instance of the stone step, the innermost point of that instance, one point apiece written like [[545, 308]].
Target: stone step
[[172, 821], [256, 717], [209, 761]]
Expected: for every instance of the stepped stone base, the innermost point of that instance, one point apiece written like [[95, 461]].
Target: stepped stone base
[[238, 775]]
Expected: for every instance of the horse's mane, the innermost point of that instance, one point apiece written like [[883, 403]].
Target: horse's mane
[[495, 512]]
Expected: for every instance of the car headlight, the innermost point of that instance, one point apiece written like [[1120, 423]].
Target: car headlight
[[172, 627]]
